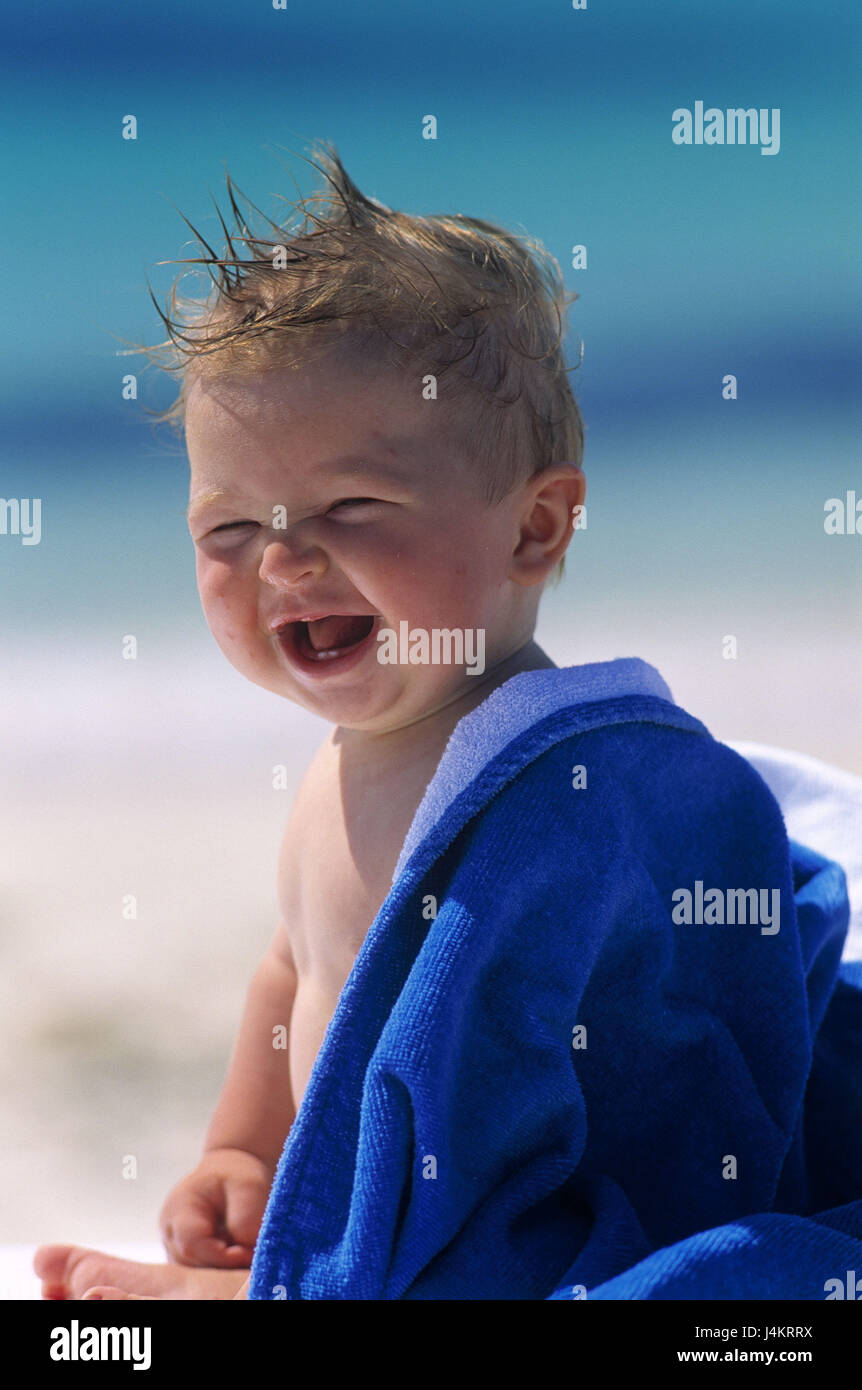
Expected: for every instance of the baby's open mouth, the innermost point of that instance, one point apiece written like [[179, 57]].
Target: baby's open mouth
[[326, 639]]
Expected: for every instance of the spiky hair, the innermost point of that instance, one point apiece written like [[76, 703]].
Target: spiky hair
[[481, 310]]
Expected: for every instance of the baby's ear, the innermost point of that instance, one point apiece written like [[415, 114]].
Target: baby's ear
[[552, 500]]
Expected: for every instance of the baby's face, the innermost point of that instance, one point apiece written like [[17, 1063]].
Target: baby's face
[[327, 503]]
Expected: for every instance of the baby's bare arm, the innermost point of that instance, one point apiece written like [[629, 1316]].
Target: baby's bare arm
[[213, 1215], [256, 1109]]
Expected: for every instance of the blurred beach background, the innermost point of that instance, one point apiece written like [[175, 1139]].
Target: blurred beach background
[[153, 777]]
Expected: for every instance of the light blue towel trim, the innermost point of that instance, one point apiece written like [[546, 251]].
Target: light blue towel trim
[[517, 705]]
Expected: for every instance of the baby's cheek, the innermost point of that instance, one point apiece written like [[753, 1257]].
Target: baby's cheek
[[246, 651], [231, 617]]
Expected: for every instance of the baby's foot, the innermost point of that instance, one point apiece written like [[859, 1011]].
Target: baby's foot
[[111, 1294], [69, 1271]]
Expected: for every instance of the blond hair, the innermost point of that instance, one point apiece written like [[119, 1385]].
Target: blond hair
[[459, 295]]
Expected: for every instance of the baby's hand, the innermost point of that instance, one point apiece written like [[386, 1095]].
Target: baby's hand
[[213, 1215]]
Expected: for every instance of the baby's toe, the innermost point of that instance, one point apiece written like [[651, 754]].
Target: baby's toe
[[67, 1271], [51, 1264]]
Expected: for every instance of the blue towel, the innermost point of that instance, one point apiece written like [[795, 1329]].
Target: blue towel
[[551, 1074]]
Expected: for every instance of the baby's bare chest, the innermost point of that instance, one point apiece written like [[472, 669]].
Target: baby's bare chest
[[339, 854]]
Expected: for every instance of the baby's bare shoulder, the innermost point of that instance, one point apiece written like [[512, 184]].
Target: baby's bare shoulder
[[339, 850], [313, 804]]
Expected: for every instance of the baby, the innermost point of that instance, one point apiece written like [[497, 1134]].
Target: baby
[[548, 1010], [369, 446]]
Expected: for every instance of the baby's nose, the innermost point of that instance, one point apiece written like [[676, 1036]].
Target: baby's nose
[[284, 563]]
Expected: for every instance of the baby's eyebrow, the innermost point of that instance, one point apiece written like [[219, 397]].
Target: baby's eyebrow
[[199, 505], [351, 467]]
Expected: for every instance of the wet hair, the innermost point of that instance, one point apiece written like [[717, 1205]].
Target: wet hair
[[478, 313]]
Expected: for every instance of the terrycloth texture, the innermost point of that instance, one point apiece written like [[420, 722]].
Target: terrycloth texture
[[822, 808], [453, 1143]]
